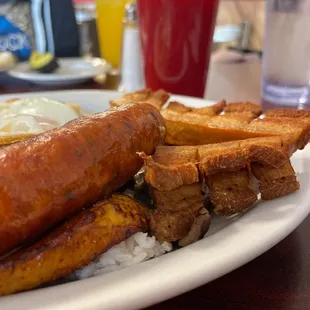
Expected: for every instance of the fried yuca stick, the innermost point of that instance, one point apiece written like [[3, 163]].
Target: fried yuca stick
[[72, 245]]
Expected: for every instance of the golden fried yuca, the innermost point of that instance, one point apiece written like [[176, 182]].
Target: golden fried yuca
[[73, 245]]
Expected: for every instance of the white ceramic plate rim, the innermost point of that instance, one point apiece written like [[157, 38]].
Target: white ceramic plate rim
[[153, 281], [19, 71]]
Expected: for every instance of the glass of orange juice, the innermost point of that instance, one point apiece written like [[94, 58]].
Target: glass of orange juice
[[110, 14]]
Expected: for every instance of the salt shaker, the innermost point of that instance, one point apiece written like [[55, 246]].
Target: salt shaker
[[132, 73]]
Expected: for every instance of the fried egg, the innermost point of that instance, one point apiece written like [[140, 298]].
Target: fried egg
[[34, 115]]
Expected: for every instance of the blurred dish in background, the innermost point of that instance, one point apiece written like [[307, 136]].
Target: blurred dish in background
[[43, 63], [110, 14], [226, 33], [70, 71]]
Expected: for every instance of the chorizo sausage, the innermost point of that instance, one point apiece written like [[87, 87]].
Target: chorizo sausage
[[47, 178]]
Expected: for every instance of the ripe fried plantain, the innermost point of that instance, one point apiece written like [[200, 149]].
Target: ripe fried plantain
[[73, 245]]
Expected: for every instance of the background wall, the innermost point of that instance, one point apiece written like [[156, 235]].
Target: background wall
[[235, 11]]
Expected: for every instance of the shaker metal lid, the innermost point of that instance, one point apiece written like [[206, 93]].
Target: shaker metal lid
[[131, 12]]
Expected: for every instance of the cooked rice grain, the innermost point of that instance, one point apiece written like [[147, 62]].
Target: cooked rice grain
[[136, 249]]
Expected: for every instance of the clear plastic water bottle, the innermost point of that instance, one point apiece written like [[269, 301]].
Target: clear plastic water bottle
[[286, 58]]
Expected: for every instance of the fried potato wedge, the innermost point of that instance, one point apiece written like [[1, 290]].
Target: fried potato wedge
[[290, 113], [247, 108], [179, 107], [298, 129], [157, 98], [73, 245], [195, 129], [209, 110]]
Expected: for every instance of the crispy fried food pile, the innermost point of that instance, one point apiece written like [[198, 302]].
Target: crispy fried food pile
[[232, 173], [226, 154], [222, 122], [237, 123]]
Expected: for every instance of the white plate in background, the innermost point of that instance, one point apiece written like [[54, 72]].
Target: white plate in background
[[228, 245], [71, 71]]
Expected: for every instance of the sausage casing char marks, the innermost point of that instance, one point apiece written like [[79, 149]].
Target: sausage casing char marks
[[47, 178]]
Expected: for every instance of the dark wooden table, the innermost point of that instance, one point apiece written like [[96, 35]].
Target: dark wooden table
[[278, 279]]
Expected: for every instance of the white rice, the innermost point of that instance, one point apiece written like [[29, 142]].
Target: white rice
[[136, 249]]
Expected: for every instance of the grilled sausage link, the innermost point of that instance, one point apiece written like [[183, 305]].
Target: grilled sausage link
[[47, 178]]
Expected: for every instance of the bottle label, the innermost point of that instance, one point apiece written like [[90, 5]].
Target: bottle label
[[13, 39], [285, 6]]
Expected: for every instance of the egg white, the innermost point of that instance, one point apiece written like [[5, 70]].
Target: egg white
[[33, 115]]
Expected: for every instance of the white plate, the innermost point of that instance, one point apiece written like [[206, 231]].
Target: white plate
[[70, 71], [228, 245]]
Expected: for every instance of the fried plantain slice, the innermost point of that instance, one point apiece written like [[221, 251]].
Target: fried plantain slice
[[73, 245]]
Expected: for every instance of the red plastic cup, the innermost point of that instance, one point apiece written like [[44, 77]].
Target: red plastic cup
[[176, 38]]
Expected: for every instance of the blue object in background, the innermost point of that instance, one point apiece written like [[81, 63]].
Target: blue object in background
[[13, 39]]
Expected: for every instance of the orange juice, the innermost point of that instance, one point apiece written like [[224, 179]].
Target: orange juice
[[110, 14]]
